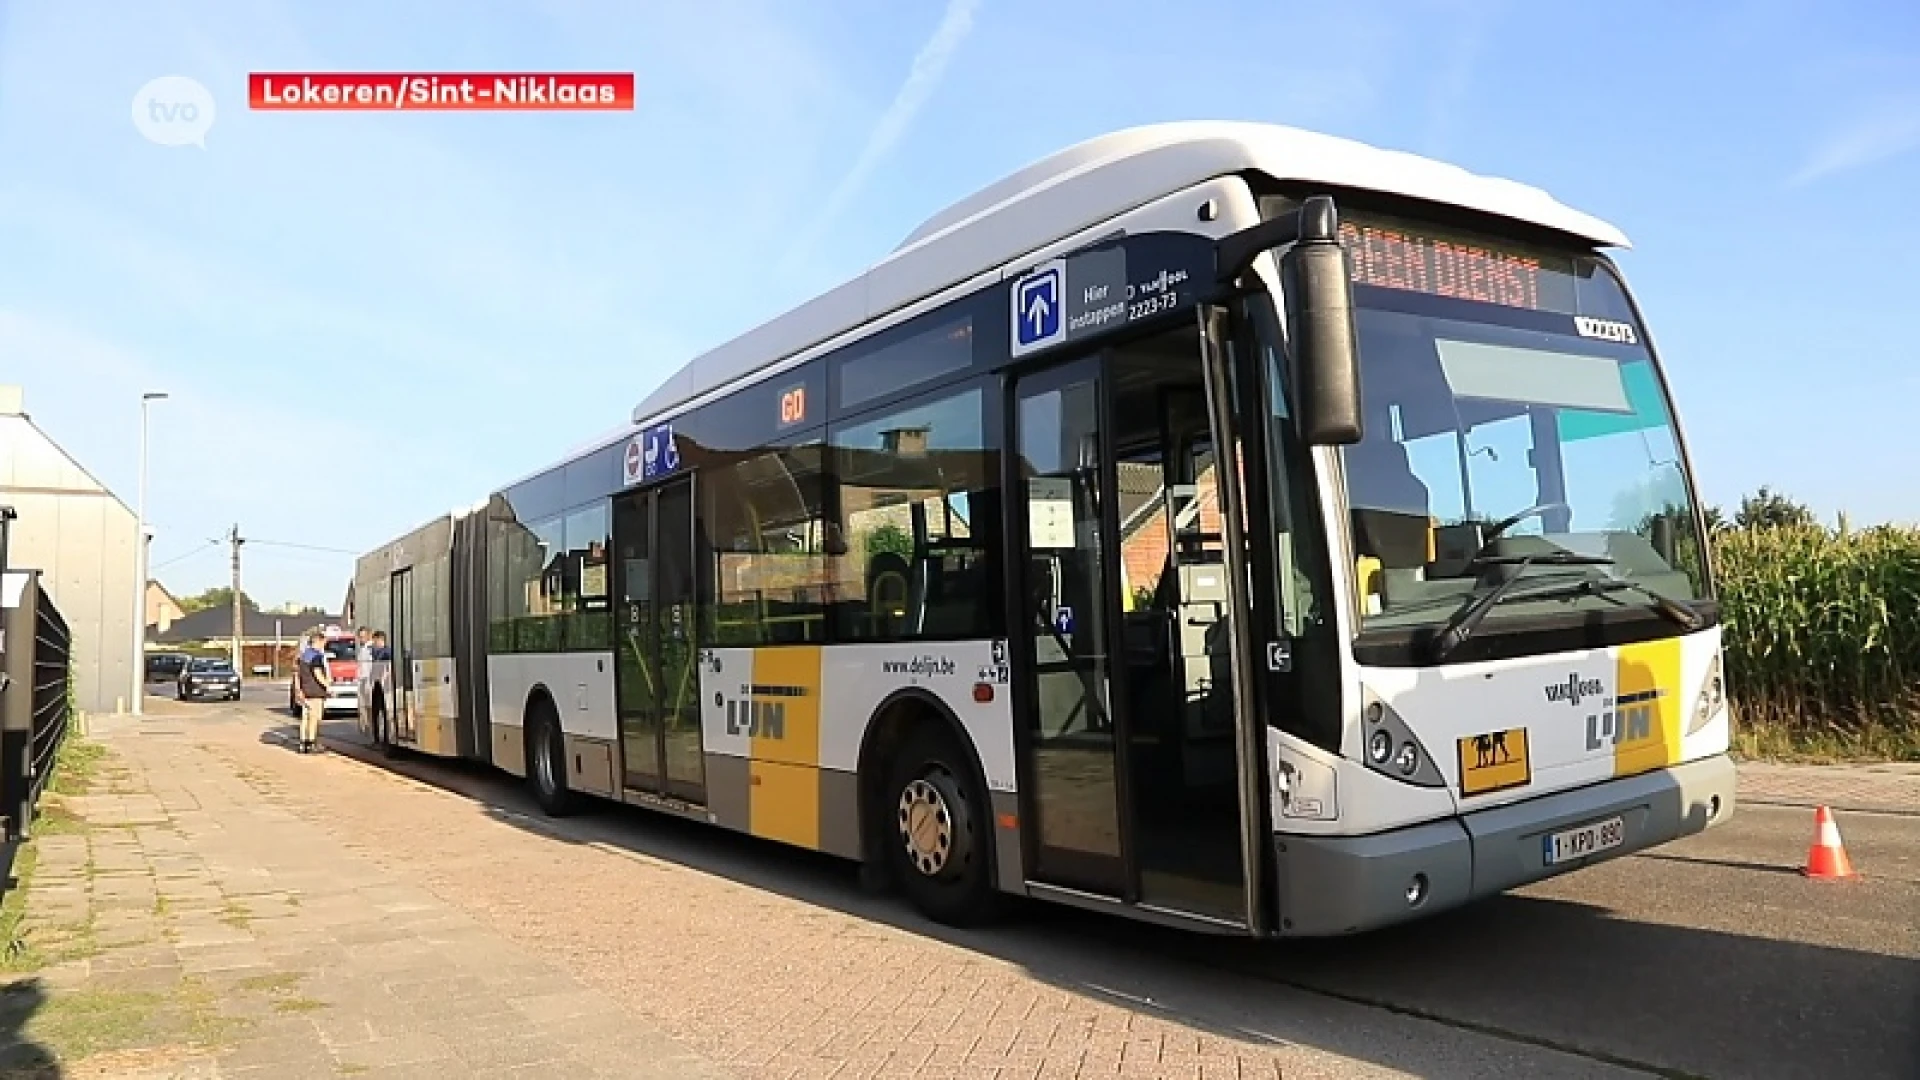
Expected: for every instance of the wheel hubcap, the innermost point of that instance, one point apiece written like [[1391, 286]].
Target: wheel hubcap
[[926, 827]]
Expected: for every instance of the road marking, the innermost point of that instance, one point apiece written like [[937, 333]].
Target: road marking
[[1124, 996], [1265, 1037], [1752, 803]]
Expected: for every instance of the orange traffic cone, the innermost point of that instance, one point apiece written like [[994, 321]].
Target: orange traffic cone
[[1827, 858]]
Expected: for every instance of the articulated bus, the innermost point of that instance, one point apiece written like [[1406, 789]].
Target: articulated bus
[[1220, 524]]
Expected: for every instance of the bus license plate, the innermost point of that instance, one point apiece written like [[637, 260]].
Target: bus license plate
[[1578, 843]]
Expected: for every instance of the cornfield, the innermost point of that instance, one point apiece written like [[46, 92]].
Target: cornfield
[[1823, 627]]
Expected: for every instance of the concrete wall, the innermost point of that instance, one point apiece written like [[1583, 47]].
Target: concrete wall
[[81, 538]]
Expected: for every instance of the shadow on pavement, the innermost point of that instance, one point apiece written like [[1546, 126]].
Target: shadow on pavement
[[20, 1057], [1547, 972]]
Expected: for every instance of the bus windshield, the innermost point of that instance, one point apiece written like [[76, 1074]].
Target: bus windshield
[[1511, 408]]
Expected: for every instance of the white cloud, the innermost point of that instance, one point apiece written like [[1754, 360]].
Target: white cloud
[[1870, 136], [929, 68]]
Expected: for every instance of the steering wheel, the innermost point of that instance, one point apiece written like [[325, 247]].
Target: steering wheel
[[1493, 531]]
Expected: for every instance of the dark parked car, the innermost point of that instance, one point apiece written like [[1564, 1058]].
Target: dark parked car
[[165, 667], [206, 677]]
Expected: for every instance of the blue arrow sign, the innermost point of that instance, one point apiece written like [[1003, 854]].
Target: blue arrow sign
[[1039, 307]]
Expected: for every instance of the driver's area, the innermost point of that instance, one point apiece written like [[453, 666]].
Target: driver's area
[[1490, 452]]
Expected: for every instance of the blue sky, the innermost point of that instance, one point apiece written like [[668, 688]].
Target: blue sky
[[367, 319]]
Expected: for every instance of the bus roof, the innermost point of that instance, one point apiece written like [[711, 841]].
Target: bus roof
[[1088, 183]]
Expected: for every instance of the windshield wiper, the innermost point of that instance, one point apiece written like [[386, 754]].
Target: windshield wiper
[[1463, 623], [1460, 626], [1541, 558], [1677, 610]]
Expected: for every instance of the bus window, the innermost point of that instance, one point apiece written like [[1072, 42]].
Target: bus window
[[919, 513], [763, 520]]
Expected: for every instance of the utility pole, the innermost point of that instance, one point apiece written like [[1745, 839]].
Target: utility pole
[[239, 625]]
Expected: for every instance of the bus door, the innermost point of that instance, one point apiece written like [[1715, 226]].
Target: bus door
[[1128, 703], [400, 718], [656, 676]]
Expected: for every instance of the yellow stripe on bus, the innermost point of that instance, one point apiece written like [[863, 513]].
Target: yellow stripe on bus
[[1647, 711], [783, 774]]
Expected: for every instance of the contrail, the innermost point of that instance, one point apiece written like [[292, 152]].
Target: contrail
[[928, 69]]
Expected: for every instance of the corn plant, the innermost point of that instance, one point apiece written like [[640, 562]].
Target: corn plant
[[1823, 627]]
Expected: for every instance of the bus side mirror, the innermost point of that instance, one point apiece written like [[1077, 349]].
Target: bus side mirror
[[1325, 346]]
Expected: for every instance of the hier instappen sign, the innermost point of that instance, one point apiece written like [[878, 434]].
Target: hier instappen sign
[[1106, 288]]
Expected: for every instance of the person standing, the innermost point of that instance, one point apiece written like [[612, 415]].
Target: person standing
[[312, 682], [301, 658], [362, 664], [383, 681]]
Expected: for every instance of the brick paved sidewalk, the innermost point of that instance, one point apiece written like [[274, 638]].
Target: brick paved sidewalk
[[1888, 788], [226, 936], [432, 931]]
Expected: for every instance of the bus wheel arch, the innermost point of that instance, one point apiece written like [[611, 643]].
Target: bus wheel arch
[[916, 757], [545, 747]]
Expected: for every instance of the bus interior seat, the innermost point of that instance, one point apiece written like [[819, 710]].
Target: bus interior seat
[[1390, 504]]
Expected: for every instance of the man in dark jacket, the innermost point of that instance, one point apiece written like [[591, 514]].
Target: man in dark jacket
[[312, 680]]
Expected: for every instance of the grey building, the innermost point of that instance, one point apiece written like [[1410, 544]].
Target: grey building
[[80, 536]]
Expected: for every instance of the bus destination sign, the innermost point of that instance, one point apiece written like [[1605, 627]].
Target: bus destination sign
[[1399, 259]]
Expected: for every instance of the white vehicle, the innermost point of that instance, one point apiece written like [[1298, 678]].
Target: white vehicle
[[939, 570]]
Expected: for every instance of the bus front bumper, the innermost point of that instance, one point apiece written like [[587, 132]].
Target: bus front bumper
[[1332, 885]]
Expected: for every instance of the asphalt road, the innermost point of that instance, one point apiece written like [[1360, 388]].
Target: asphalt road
[[1710, 957]]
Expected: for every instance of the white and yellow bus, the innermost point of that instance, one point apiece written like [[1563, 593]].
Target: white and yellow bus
[[940, 571]]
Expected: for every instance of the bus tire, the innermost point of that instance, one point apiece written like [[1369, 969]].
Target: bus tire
[[547, 760], [938, 837]]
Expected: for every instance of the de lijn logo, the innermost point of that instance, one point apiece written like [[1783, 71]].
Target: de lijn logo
[[174, 110], [1627, 721]]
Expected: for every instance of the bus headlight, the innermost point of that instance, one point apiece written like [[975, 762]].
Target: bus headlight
[[1407, 760], [1391, 747], [1713, 697], [1379, 746]]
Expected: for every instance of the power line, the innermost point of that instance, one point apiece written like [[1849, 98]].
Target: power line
[[305, 547], [209, 545]]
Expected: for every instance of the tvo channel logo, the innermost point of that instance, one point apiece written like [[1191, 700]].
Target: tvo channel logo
[[174, 110]]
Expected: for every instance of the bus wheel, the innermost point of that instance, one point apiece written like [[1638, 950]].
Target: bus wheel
[[937, 830], [547, 761]]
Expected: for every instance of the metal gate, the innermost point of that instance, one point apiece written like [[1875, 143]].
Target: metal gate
[[36, 651]]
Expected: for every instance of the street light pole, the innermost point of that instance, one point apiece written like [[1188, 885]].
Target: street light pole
[[140, 568]]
